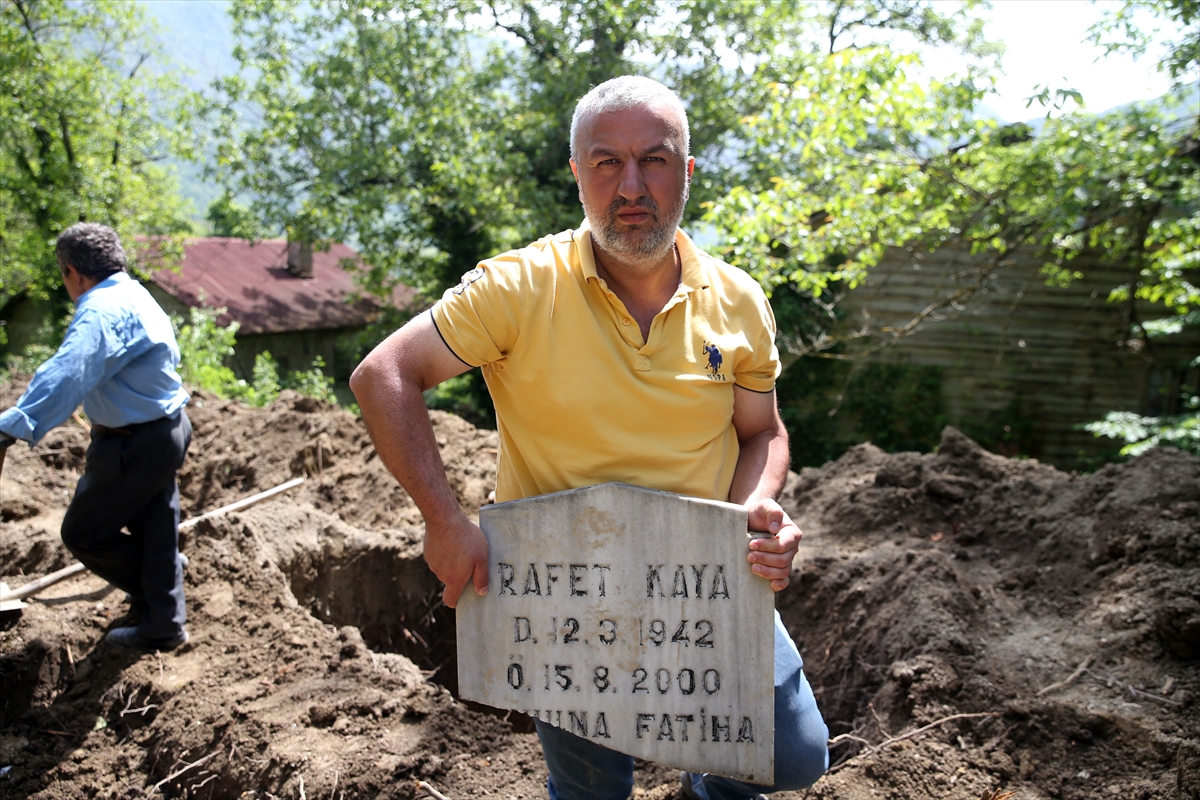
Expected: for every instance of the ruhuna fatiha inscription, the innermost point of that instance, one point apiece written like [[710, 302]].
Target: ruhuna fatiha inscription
[[629, 617]]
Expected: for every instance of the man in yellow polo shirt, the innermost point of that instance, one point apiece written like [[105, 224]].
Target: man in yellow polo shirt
[[616, 352]]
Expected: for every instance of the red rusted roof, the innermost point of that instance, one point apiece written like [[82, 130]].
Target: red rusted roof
[[251, 281]]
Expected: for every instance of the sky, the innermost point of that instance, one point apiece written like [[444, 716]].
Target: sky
[[1045, 42]]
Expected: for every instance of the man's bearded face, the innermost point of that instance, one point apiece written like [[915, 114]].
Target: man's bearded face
[[649, 240], [634, 175]]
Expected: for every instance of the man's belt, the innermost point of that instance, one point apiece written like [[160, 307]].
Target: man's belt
[[101, 431]]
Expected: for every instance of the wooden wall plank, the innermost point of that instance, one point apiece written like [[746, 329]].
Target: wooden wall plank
[[1062, 354]]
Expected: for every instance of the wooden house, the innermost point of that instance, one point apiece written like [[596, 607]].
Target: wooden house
[[292, 301], [1009, 346]]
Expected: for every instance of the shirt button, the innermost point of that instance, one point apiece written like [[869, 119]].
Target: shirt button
[[625, 321]]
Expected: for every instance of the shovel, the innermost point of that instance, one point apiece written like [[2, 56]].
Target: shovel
[[11, 600]]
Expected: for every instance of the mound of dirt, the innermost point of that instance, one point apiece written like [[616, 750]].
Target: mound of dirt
[[937, 589], [1043, 628], [237, 451]]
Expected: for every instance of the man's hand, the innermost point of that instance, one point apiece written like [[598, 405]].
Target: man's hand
[[772, 558], [457, 553], [761, 471]]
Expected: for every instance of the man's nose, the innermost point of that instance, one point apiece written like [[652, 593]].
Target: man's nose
[[633, 184]]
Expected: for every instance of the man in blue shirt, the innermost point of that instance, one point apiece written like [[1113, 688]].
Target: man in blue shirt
[[119, 359]]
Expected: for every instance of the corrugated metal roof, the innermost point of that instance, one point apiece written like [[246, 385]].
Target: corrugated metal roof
[[252, 282]]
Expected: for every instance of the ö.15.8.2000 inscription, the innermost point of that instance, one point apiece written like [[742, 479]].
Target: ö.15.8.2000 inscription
[[659, 644]]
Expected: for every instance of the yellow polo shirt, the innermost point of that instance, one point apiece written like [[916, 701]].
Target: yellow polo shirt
[[580, 398]]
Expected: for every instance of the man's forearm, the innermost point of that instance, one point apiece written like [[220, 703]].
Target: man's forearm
[[397, 419], [762, 467], [388, 385]]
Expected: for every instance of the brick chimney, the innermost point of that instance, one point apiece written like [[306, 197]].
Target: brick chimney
[[299, 261]]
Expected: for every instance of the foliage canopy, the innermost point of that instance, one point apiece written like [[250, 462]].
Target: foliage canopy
[[85, 124], [204, 346], [437, 135], [857, 153]]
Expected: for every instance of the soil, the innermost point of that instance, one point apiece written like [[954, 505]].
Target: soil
[[1040, 630]]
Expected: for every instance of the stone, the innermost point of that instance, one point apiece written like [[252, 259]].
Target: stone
[[629, 617]]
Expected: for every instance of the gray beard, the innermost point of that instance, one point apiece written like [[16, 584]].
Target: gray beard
[[648, 244]]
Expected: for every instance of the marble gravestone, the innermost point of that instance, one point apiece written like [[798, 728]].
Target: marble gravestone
[[629, 617]]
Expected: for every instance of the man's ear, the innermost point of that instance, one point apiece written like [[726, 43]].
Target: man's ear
[[575, 172]]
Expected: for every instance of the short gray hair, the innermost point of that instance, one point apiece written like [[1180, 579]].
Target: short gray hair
[[94, 250], [625, 92]]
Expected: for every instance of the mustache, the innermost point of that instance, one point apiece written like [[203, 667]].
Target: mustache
[[645, 201]]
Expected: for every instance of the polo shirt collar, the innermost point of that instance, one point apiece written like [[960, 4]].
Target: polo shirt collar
[[691, 275]]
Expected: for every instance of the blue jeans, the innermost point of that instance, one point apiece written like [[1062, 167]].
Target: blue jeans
[[583, 770]]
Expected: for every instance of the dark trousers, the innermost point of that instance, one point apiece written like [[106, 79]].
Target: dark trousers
[[129, 482]]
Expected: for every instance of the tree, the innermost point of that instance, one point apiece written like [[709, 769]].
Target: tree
[[1178, 23], [230, 218], [1175, 238], [84, 126], [437, 135], [825, 192]]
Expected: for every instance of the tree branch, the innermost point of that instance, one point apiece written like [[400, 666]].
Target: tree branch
[[141, 60], [26, 21], [66, 135], [833, 29], [542, 50]]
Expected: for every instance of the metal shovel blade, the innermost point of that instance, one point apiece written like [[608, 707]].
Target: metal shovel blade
[[8, 605]]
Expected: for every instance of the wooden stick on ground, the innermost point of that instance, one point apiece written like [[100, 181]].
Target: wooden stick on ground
[[432, 792], [240, 504], [33, 587], [1069, 679], [909, 735]]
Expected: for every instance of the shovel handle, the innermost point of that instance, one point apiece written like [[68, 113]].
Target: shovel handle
[[33, 587]]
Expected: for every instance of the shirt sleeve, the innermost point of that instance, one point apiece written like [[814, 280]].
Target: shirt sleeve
[[759, 369], [480, 318], [86, 356]]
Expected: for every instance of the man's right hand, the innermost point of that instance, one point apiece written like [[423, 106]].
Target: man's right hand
[[457, 553]]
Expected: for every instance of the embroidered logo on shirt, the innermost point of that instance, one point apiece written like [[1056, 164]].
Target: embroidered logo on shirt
[[714, 361], [467, 279]]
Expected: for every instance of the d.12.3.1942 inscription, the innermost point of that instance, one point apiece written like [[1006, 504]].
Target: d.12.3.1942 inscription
[[631, 618]]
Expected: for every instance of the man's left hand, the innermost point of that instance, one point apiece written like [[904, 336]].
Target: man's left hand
[[772, 558]]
